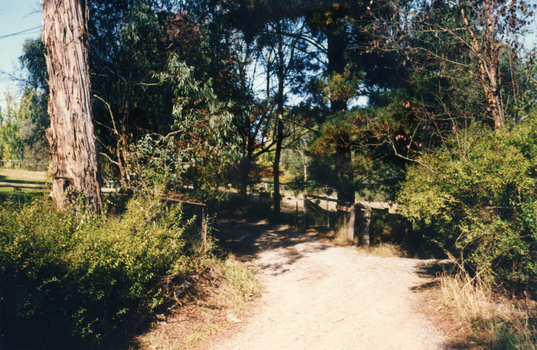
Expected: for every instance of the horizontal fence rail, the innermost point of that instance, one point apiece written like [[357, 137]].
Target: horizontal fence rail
[[21, 185]]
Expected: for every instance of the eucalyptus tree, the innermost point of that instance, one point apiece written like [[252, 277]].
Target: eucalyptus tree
[[468, 52], [278, 61], [35, 95], [467, 69], [130, 41], [287, 64], [73, 154], [137, 47]]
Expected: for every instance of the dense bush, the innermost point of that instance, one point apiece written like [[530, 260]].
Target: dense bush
[[67, 277], [478, 200]]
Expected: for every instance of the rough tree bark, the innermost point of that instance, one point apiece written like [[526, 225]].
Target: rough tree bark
[[73, 162]]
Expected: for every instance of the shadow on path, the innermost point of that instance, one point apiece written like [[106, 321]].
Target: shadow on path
[[246, 239]]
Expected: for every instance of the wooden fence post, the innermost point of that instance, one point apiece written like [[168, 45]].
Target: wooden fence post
[[367, 226], [204, 225], [305, 198], [351, 223], [327, 214]]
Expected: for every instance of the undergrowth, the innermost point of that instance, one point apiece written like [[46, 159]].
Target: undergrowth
[[222, 290], [70, 279]]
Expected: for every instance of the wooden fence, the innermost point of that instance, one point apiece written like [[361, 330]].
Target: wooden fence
[[360, 212]]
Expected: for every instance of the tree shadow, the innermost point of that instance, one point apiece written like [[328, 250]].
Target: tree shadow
[[247, 239], [431, 270]]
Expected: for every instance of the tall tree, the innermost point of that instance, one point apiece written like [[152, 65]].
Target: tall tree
[[73, 163], [330, 22], [288, 66], [36, 96], [274, 42]]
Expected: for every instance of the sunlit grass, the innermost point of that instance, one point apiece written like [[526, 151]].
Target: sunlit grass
[[244, 280], [23, 194], [497, 322], [22, 176], [384, 250]]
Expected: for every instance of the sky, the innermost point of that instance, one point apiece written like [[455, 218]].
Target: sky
[[19, 20], [22, 19]]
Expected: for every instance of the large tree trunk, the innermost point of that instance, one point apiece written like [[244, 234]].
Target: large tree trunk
[[73, 162]]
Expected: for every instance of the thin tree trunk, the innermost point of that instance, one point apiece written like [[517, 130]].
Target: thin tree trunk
[[123, 149], [279, 123], [336, 65], [489, 72], [73, 162], [276, 167], [244, 169]]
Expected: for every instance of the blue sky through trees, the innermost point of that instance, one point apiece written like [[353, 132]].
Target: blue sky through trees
[[19, 20]]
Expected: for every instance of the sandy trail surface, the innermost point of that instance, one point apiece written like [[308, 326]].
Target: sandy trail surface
[[320, 296]]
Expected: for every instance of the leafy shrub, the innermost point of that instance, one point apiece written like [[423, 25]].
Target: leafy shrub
[[479, 200], [67, 277]]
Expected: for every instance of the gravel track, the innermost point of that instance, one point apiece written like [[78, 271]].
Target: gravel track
[[319, 296]]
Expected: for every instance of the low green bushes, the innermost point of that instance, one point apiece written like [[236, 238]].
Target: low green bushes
[[72, 277], [478, 200]]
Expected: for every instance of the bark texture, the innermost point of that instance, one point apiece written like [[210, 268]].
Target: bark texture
[[73, 162]]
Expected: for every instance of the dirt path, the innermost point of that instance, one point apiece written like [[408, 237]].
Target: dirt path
[[319, 296]]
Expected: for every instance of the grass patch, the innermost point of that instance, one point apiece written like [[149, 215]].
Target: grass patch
[[384, 250], [202, 334], [497, 322], [194, 337], [23, 176], [22, 195], [242, 279], [158, 341]]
